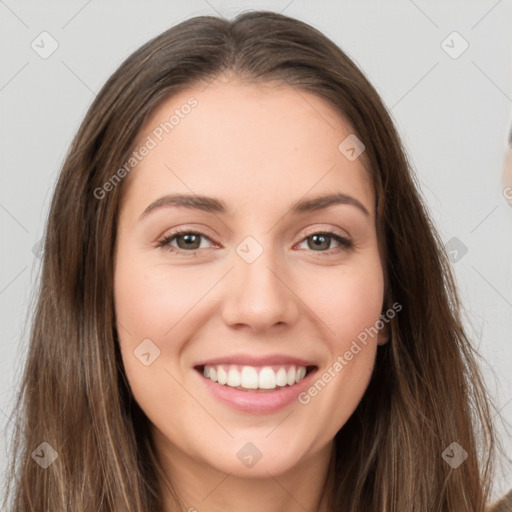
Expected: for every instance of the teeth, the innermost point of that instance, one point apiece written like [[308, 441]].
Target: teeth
[[281, 377], [233, 377], [291, 376], [222, 376], [251, 377], [267, 378]]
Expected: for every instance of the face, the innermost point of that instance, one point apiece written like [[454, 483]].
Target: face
[[227, 327]]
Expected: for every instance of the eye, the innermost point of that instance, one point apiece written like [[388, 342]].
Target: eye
[[322, 240], [188, 242]]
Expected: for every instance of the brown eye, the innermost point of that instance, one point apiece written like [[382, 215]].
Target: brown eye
[[186, 241], [190, 241], [321, 242]]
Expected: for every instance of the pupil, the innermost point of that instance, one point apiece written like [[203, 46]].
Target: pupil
[[189, 240], [318, 240]]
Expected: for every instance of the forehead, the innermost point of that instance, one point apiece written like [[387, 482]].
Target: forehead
[[241, 141]]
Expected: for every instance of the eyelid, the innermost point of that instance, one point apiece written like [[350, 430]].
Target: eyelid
[[345, 240], [316, 230], [164, 240], [200, 230]]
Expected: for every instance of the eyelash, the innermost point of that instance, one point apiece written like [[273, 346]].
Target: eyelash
[[164, 243]]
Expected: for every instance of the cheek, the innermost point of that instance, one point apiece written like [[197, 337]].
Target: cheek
[[160, 303], [351, 310], [347, 302], [149, 303], [145, 308], [357, 325], [149, 299]]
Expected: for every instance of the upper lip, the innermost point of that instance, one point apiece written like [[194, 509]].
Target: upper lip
[[248, 360]]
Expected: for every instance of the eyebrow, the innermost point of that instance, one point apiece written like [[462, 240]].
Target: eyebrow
[[213, 205]]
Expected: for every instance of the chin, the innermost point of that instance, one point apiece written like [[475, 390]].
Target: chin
[[256, 454], [274, 462]]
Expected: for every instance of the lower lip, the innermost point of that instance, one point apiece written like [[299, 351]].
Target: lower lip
[[257, 402]]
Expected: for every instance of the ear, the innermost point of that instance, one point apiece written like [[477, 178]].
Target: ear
[[384, 334]]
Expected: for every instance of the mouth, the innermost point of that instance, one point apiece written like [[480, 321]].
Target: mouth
[[252, 384], [256, 379]]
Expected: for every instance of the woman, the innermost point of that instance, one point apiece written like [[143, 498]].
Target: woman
[[306, 354]]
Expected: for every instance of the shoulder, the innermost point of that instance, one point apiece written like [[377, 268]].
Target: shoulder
[[503, 505]]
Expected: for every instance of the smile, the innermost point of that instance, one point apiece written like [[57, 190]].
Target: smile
[[255, 384], [255, 378]]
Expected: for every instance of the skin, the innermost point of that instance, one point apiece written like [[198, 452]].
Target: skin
[[259, 148]]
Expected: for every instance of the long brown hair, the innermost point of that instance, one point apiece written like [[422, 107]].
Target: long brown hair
[[426, 391]]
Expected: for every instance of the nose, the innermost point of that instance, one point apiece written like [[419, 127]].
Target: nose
[[258, 296]]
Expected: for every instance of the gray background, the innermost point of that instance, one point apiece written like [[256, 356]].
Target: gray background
[[453, 115]]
